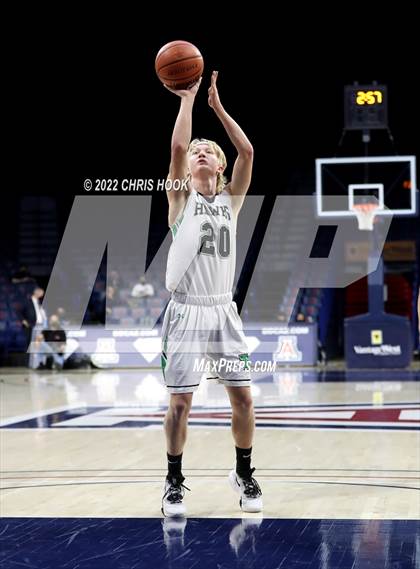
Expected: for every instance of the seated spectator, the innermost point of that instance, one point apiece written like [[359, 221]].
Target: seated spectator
[[62, 316], [111, 300], [142, 289], [114, 280], [50, 346]]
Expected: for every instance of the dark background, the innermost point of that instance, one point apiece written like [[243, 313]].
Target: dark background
[[86, 102]]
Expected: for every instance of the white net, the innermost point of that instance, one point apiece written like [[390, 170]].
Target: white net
[[365, 215]]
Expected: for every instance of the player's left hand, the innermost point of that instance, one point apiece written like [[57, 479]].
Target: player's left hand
[[214, 100]]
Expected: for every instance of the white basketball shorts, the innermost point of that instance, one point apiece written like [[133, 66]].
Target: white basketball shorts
[[203, 335]]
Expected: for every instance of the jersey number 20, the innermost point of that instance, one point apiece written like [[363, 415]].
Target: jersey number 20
[[208, 238]]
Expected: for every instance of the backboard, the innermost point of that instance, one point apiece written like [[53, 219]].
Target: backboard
[[389, 181]]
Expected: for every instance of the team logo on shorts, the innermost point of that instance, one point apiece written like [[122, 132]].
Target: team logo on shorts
[[245, 359], [177, 318]]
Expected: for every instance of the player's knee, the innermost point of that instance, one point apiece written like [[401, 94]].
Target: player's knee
[[243, 404], [180, 405]]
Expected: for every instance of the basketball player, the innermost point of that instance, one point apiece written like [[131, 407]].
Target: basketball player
[[201, 321]]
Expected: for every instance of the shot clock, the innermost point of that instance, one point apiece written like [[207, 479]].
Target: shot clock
[[365, 107]]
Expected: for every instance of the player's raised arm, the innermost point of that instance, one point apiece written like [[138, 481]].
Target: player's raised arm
[[242, 169], [181, 136]]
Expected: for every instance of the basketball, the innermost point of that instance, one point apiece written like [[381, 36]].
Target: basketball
[[179, 64]]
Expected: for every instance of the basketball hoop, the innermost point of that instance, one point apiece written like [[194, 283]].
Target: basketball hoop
[[365, 215]]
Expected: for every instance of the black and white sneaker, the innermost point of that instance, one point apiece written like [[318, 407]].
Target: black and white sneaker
[[248, 488], [172, 501]]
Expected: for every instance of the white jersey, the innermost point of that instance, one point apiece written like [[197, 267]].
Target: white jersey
[[202, 256]]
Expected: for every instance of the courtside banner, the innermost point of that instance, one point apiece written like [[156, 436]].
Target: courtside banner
[[271, 343]]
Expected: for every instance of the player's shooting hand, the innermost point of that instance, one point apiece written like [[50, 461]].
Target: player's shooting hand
[[214, 100], [190, 92]]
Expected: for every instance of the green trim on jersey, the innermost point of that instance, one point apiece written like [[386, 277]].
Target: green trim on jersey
[[175, 226]]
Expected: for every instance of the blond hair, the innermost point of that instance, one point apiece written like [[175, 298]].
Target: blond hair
[[221, 179]]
